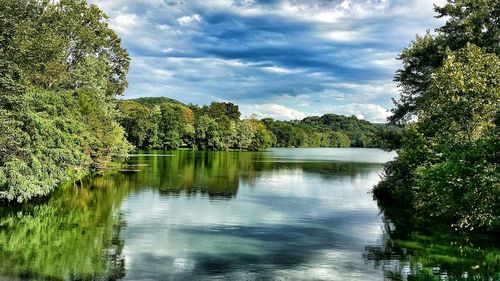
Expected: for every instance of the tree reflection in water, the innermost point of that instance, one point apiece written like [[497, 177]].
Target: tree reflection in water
[[435, 255], [73, 235]]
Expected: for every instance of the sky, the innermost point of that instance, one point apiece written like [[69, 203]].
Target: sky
[[284, 59]]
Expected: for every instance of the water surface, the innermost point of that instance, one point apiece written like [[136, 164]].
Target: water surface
[[283, 214]]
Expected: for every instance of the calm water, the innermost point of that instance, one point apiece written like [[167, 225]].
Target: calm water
[[283, 214]]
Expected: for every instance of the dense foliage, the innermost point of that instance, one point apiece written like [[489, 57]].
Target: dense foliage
[[168, 124], [162, 123], [447, 169], [60, 69], [468, 21], [332, 130]]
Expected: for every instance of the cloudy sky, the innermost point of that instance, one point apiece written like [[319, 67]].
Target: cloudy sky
[[284, 59]]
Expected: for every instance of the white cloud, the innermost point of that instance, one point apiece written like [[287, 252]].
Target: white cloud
[[125, 23], [350, 21], [361, 92], [389, 63], [205, 69], [278, 70], [167, 50], [367, 111], [185, 20], [344, 36], [271, 110], [370, 58], [161, 74], [331, 12], [163, 27], [302, 100]]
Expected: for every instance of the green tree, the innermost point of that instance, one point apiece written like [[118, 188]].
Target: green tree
[[208, 134], [171, 124], [314, 139], [336, 139], [221, 110], [153, 140], [135, 118], [188, 134], [447, 168], [468, 21], [244, 135], [61, 69], [262, 138]]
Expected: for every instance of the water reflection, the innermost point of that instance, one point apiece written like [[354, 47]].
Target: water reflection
[[219, 174], [291, 216], [296, 214], [441, 256], [74, 235]]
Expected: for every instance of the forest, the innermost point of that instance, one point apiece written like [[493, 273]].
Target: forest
[[163, 123], [61, 68]]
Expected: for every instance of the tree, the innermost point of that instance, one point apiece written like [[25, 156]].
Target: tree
[[61, 69], [171, 124], [447, 168], [336, 139], [471, 21], [46, 39], [244, 135], [188, 134], [208, 135], [153, 139], [468, 21], [219, 110], [457, 124], [134, 119], [262, 138]]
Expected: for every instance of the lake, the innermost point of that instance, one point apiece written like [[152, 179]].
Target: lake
[[282, 214]]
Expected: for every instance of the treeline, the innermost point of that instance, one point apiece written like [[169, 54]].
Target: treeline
[[332, 130], [60, 70], [447, 171], [162, 123]]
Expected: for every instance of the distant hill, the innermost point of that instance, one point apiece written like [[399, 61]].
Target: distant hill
[[152, 101], [331, 130], [361, 132]]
